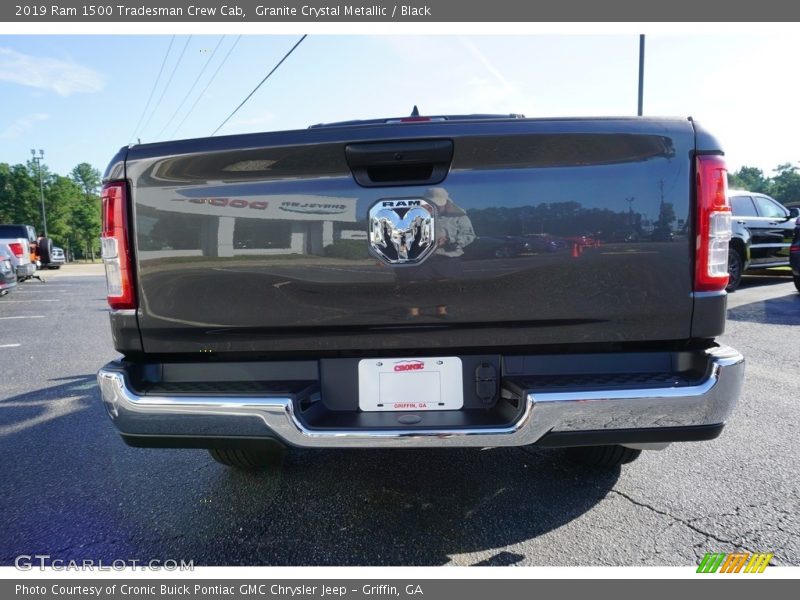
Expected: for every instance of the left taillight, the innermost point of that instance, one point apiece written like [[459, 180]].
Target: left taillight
[[17, 249], [713, 225], [115, 247]]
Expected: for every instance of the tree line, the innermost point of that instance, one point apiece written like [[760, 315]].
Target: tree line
[[72, 204], [784, 185]]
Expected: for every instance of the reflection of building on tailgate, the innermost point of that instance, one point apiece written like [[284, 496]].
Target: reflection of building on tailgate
[[255, 225]]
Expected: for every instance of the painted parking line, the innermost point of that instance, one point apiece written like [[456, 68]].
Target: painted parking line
[[25, 317], [9, 345]]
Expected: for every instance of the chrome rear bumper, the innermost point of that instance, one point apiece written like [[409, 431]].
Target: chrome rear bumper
[[26, 270], [708, 402]]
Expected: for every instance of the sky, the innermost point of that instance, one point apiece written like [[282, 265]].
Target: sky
[[81, 97]]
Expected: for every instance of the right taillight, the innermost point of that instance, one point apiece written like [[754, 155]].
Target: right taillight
[[115, 247], [17, 249], [713, 225]]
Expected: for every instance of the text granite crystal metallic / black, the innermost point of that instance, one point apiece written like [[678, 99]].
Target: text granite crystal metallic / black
[[265, 268]]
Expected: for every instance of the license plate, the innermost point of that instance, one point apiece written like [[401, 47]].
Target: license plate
[[410, 384]]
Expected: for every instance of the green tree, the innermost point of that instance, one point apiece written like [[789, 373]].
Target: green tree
[[785, 186], [19, 195], [86, 176], [61, 196], [749, 178], [86, 211]]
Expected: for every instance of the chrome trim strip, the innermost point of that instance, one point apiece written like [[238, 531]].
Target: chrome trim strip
[[709, 294], [709, 402]]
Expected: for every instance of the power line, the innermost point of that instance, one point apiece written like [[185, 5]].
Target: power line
[[210, 81], [152, 91], [191, 89], [275, 68], [169, 81]]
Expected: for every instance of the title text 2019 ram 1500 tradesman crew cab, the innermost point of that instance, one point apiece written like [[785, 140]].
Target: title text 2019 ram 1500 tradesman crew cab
[[311, 288]]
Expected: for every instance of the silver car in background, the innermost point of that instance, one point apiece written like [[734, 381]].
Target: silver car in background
[[57, 258]]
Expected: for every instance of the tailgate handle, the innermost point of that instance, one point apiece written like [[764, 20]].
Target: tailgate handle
[[421, 162]]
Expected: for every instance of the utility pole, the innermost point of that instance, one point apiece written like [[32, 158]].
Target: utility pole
[[38, 160], [641, 74]]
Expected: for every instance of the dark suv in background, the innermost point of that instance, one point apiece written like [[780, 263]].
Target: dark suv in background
[[794, 254], [762, 232]]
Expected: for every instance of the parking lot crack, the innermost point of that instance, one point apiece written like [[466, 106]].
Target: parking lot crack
[[685, 522]]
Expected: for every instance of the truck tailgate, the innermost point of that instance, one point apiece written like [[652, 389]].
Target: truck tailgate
[[261, 243]]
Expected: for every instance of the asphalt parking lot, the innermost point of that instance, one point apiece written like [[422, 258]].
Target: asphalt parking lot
[[73, 490]]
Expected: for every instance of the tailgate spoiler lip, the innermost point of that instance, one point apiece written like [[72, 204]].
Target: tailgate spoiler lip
[[390, 131], [117, 166]]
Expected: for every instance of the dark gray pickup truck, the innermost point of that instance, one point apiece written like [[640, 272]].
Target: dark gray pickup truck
[[317, 288]]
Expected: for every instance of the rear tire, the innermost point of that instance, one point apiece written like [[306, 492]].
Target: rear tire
[[249, 459], [45, 250], [602, 456], [735, 269], [797, 282]]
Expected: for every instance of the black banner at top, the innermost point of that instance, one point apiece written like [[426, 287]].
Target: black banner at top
[[266, 11]]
